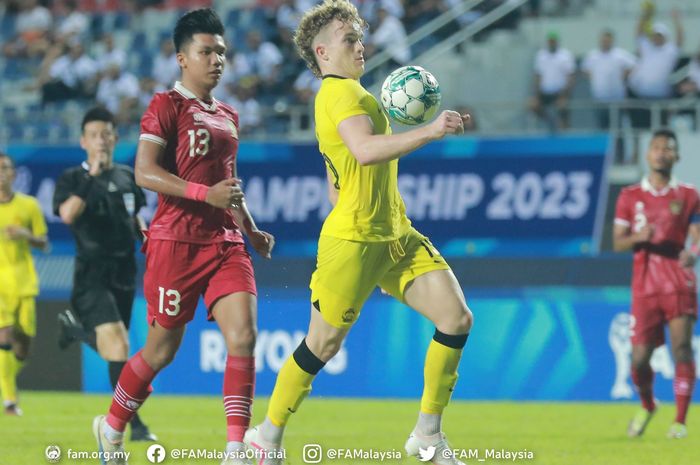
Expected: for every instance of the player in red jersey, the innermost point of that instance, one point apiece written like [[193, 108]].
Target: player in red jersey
[[654, 218], [187, 153]]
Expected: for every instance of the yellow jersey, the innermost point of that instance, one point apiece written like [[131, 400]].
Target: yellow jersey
[[17, 273], [369, 207]]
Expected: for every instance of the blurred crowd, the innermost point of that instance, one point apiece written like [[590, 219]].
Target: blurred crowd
[[77, 51], [618, 77]]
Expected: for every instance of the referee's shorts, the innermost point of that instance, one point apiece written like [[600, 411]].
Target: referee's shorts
[[103, 291]]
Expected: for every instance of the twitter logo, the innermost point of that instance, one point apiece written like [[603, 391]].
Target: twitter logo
[[424, 455]]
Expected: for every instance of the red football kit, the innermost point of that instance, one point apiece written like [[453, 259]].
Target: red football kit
[[661, 288], [193, 248]]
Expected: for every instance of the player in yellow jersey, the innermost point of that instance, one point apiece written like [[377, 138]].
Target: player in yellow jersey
[[367, 240], [22, 226]]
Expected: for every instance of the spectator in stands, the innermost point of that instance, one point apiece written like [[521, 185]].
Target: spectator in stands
[[607, 67], [265, 60], [118, 91], [420, 12], [690, 86], [658, 55], [291, 65], [148, 87], [288, 14], [243, 97], [306, 85], [369, 8], [72, 76], [33, 31], [165, 68], [111, 54], [553, 81], [72, 21], [389, 35]]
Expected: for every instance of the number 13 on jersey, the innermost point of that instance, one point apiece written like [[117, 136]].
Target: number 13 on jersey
[[199, 141]]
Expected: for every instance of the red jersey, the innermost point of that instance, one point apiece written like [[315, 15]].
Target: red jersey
[[201, 144], [670, 211]]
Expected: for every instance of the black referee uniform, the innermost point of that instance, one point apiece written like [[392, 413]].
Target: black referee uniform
[[105, 234]]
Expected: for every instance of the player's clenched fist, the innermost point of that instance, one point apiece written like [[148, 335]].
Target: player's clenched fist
[[225, 194], [449, 122], [263, 242], [644, 234]]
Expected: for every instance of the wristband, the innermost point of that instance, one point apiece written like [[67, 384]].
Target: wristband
[[695, 250], [197, 192], [83, 189]]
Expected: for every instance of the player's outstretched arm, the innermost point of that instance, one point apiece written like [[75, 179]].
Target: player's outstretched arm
[[150, 174], [368, 148]]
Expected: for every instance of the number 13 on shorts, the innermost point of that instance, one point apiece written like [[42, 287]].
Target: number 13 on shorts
[[168, 301]]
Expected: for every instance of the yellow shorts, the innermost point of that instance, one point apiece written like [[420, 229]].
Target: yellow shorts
[[348, 271], [18, 312]]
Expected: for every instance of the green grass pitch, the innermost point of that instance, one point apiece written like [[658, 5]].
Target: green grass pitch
[[556, 433]]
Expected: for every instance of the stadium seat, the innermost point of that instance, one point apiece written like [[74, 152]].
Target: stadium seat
[[7, 26]]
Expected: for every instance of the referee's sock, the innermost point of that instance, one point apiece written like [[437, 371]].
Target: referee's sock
[[292, 386], [115, 370], [8, 384]]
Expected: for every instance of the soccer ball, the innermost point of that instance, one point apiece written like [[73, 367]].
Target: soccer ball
[[411, 95]]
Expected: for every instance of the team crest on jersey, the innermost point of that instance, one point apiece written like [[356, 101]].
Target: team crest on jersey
[[232, 128], [349, 315], [675, 206], [129, 202], [198, 118]]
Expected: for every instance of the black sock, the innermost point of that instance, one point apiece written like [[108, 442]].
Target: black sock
[[115, 369]]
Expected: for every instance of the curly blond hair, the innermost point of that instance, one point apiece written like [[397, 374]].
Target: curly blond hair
[[316, 19]]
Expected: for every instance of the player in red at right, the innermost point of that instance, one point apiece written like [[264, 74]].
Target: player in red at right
[[654, 218], [187, 153]]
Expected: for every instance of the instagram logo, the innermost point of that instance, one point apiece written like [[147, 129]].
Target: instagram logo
[[313, 453]]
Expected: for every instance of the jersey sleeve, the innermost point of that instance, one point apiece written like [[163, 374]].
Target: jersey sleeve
[[159, 122], [63, 190], [347, 101], [39, 227], [623, 210], [695, 210]]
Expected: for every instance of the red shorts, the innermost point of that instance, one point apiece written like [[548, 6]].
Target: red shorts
[[651, 312], [177, 273]]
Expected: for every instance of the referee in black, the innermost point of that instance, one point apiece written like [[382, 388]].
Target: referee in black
[[99, 201]]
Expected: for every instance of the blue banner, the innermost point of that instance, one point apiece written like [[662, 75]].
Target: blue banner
[[530, 344], [471, 196]]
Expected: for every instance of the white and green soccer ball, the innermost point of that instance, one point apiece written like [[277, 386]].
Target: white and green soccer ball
[[411, 95]]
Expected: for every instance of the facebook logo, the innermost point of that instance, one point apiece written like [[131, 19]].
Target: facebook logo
[[155, 453]]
